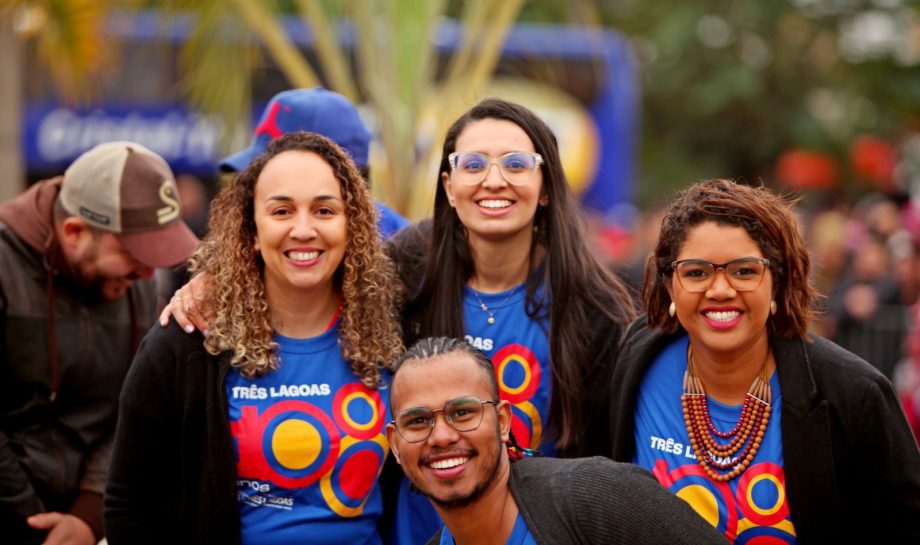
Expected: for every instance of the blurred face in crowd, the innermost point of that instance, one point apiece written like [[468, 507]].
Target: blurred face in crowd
[[102, 265]]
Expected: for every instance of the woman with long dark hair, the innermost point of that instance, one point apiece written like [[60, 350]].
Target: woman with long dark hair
[[507, 246], [508, 267], [505, 264]]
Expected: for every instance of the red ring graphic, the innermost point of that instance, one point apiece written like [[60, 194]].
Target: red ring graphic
[[340, 411]]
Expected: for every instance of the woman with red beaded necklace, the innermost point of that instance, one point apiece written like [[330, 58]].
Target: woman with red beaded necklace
[[719, 391]]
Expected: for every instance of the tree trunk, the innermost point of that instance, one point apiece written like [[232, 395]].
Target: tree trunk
[[12, 174]]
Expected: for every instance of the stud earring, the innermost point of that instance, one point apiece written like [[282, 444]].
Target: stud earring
[[772, 308], [672, 309]]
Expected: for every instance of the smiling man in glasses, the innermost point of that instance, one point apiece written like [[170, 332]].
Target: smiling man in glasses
[[452, 436]]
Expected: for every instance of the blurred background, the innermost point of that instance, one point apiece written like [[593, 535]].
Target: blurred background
[[819, 99]]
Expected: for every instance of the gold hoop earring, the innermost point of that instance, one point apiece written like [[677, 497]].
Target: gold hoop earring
[[672, 309], [772, 308]]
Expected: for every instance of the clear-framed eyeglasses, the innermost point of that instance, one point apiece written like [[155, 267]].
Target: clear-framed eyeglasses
[[516, 167], [743, 274], [462, 414]]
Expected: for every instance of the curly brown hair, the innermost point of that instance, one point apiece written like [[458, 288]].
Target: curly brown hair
[[241, 323], [767, 218]]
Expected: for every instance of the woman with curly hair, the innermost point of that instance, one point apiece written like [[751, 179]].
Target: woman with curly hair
[[271, 428], [505, 264]]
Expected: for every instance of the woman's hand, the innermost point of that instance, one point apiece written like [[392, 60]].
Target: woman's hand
[[187, 306]]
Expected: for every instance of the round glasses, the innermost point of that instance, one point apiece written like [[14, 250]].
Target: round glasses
[[743, 274], [516, 167], [462, 414]]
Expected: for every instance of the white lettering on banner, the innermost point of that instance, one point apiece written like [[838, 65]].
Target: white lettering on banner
[[480, 343], [717, 459], [249, 392], [300, 390], [64, 134], [258, 500], [668, 445], [285, 390], [256, 494], [253, 485]]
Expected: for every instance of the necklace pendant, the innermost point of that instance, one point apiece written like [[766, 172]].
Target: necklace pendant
[[491, 320], [484, 307]]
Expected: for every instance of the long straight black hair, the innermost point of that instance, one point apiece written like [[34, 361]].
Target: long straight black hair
[[578, 290]]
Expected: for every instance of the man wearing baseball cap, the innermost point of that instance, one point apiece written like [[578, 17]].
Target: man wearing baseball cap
[[321, 111], [76, 295]]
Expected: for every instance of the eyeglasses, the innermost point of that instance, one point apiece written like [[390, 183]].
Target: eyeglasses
[[462, 414], [743, 274], [516, 167]]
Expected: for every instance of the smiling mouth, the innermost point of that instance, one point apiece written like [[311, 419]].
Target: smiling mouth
[[449, 463], [722, 315], [495, 204], [303, 256]]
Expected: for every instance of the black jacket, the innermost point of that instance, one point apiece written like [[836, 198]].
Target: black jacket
[[178, 444], [588, 501], [851, 463], [63, 356]]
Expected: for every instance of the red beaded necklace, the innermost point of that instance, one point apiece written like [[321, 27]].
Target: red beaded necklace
[[744, 439]]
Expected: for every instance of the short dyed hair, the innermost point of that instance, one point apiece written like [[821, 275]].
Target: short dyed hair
[[767, 218], [430, 348]]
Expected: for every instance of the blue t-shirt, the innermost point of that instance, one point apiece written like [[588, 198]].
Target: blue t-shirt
[[389, 221], [519, 349], [520, 535], [310, 444], [750, 508]]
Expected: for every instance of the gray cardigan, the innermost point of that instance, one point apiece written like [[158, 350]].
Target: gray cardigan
[[595, 500], [851, 462]]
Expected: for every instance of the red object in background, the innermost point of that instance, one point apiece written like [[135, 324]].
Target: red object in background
[[801, 169], [614, 242], [875, 160]]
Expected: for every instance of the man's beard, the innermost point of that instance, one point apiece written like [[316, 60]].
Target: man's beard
[[89, 284], [478, 490], [95, 287]]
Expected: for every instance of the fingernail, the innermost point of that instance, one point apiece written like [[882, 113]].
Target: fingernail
[[189, 328]]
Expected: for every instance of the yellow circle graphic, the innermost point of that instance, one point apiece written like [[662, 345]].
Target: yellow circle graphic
[[296, 444], [703, 502], [366, 398], [780, 494], [524, 366]]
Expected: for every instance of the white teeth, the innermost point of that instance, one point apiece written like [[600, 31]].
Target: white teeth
[[724, 316], [448, 463], [495, 203], [303, 256]]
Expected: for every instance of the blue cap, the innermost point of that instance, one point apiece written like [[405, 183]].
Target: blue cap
[[316, 110]]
